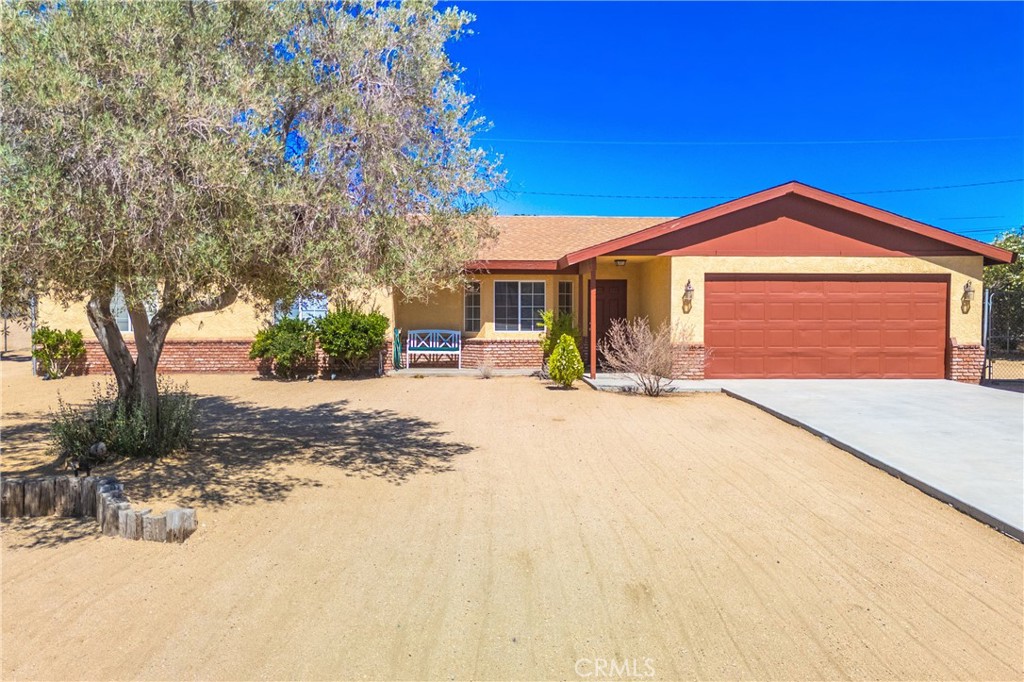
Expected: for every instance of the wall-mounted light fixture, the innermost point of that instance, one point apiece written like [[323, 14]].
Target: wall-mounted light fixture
[[620, 262], [965, 300], [688, 297]]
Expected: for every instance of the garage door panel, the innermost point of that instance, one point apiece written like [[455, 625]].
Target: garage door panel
[[779, 338], [781, 311], [868, 311], [867, 365], [897, 338], [750, 312], [828, 327], [870, 338], [750, 287], [809, 338], [898, 311], [810, 311], [838, 310], [750, 338], [808, 366]]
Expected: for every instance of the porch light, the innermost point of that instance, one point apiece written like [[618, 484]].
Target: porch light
[[688, 297], [619, 262], [965, 300]]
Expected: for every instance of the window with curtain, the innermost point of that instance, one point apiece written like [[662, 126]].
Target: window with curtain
[[518, 305]]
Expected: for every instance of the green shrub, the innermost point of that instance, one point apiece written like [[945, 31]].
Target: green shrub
[[351, 336], [289, 344], [565, 364], [125, 429], [57, 350], [555, 326]]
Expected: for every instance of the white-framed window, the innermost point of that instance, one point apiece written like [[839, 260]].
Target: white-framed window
[[471, 307], [309, 308], [518, 305], [119, 310], [565, 298]]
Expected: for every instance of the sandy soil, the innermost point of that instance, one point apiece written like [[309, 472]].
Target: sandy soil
[[456, 528]]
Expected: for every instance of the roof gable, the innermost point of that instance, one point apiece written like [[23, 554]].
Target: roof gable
[[792, 225], [844, 218]]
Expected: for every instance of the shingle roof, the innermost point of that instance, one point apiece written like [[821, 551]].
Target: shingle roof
[[558, 242], [551, 237]]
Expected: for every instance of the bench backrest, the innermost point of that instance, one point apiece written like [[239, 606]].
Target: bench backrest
[[444, 340]]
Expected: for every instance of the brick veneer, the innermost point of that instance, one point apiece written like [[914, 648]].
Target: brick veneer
[[213, 355], [217, 355], [688, 362], [502, 353], [499, 353], [965, 363]]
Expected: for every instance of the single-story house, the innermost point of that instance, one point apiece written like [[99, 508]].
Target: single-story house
[[789, 282]]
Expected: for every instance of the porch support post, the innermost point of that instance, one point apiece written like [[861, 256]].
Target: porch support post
[[592, 317], [581, 323]]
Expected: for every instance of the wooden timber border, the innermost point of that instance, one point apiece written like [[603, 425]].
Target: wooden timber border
[[100, 497]]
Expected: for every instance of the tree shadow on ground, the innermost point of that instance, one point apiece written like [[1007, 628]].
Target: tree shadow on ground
[[47, 531], [243, 450]]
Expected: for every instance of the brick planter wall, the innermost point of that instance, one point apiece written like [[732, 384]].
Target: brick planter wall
[[179, 357], [965, 363], [502, 353], [499, 353], [688, 362], [219, 355]]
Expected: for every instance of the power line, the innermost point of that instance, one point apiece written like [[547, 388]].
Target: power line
[[924, 189], [743, 143], [723, 196]]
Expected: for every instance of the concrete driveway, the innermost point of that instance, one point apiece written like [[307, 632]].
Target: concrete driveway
[[960, 443]]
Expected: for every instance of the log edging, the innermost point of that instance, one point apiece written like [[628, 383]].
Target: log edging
[[99, 497]]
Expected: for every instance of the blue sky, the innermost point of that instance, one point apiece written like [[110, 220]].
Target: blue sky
[[694, 99]]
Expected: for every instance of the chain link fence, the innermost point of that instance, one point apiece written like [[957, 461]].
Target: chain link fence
[[1004, 336]]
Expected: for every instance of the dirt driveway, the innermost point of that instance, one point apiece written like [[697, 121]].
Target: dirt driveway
[[456, 528]]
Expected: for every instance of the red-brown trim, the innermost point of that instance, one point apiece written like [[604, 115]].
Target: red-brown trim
[[831, 277], [992, 254]]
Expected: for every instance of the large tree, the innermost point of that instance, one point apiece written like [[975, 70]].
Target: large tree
[[190, 153]]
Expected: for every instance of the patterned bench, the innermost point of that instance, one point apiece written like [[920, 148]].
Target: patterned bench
[[426, 344]]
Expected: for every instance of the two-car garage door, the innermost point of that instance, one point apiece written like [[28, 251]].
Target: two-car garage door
[[825, 327]]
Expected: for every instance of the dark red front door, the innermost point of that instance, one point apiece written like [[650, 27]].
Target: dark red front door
[[611, 304]]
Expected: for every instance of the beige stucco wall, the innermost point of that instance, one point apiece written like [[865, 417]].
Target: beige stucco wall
[[444, 309], [239, 321], [965, 328]]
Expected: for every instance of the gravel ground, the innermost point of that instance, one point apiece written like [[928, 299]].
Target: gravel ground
[[457, 528]]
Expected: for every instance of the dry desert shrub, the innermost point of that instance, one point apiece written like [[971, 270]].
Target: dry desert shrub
[[643, 354]]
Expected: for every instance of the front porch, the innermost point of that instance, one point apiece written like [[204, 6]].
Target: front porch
[[497, 315]]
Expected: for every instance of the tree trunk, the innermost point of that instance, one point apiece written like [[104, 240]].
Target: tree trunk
[[136, 376], [105, 327]]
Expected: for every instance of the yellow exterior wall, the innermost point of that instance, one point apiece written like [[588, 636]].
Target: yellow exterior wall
[[654, 289], [965, 328], [239, 321], [655, 285], [236, 322], [444, 309]]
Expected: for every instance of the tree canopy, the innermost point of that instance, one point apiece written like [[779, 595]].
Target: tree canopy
[[187, 153]]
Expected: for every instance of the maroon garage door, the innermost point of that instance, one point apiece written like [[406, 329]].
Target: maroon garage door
[[787, 327]]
